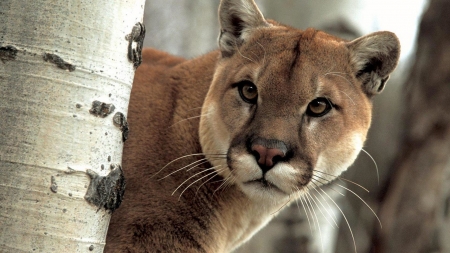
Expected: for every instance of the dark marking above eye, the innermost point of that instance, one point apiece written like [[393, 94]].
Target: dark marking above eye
[[296, 50]]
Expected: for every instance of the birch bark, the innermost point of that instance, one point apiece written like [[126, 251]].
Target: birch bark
[[56, 58]]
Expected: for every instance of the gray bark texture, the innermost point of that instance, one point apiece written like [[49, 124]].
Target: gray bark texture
[[415, 206]]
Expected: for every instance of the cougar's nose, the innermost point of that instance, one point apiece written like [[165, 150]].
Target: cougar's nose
[[268, 152]]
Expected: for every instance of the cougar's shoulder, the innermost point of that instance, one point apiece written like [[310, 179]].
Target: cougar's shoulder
[[150, 219]]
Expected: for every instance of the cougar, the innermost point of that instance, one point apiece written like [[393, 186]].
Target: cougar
[[221, 143]]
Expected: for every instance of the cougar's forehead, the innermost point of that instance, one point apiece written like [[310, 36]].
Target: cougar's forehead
[[293, 67]]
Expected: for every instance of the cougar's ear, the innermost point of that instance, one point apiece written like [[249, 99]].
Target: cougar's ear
[[374, 57], [238, 18]]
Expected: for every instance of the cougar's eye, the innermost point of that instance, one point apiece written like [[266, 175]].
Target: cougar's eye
[[319, 107], [248, 91]]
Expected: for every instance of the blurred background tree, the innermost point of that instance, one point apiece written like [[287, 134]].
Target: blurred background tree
[[189, 28], [415, 204]]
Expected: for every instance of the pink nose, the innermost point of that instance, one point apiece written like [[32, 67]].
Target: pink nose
[[267, 157]]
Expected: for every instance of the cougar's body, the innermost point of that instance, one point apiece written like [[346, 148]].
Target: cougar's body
[[221, 143]]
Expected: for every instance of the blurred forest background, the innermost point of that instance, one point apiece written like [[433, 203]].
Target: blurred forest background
[[409, 137]]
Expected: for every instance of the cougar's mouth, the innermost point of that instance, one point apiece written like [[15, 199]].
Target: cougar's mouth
[[264, 184]]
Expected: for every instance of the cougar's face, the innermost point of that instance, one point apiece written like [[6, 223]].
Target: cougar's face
[[288, 112]]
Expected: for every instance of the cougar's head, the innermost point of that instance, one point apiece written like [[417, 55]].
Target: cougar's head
[[289, 108]]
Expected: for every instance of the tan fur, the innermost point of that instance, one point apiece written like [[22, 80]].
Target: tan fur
[[290, 68]]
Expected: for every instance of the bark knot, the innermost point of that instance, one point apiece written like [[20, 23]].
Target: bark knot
[[120, 121], [59, 62], [106, 191], [100, 109], [8, 53], [135, 44]]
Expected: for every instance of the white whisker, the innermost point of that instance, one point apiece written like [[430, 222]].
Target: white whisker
[[332, 215], [182, 157], [376, 166], [214, 172], [317, 219], [193, 117], [338, 192], [207, 182], [348, 97], [237, 49], [264, 58], [376, 216], [196, 174], [222, 184], [339, 74], [320, 209], [279, 209], [301, 201], [306, 212], [345, 218], [195, 108], [342, 75], [194, 164], [334, 73], [176, 159], [229, 183], [342, 179], [310, 212]]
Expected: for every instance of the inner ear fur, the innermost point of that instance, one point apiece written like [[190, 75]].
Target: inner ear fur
[[237, 18], [374, 57]]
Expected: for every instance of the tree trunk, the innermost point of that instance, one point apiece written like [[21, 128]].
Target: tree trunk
[[60, 152], [414, 207]]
